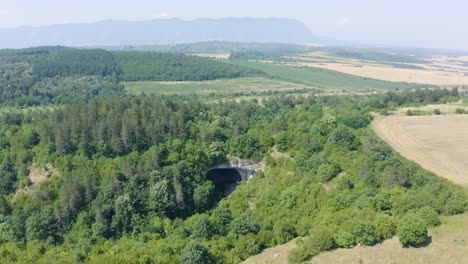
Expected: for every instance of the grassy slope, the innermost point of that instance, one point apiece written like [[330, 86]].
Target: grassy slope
[[257, 84], [324, 78], [449, 244]]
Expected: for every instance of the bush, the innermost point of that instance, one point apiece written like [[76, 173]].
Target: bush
[[194, 253], [412, 230], [429, 215], [437, 112], [385, 226], [459, 111], [320, 239], [409, 112], [365, 233], [344, 239], [327, 172]]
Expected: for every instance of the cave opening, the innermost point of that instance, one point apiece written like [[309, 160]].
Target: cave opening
[[225, 181]]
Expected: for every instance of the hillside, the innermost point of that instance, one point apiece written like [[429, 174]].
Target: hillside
[[129, 180], [151, 66], [56, 75], [159, 31]]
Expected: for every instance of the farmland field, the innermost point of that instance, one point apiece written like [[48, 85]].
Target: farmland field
[[437, 143], [326, 79], [438, 70], [219, 86]]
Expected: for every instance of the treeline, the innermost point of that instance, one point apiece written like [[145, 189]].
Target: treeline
[[253, 55], [20, 86], [75, 62], [152, 66], [128, 180], [58, 75]]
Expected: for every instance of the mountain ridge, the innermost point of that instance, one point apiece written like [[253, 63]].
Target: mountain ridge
[[174, 30]]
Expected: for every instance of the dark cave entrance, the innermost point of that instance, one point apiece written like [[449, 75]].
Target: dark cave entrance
[[225, 180]]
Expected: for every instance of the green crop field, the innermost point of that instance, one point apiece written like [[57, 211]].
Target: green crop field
[[325, 79], [256, 84]]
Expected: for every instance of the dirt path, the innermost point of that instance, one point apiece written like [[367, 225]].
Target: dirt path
[[437, 143]]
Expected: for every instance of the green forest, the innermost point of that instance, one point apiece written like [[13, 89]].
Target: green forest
[[126, 181], [153, 66], [90, 173], [61, 75]]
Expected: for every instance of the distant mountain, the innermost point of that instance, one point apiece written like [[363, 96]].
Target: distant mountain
[[159, 31]]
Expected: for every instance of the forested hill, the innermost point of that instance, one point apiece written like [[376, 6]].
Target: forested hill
[[142, 66], [61, 75], [56, 75], [128, 180]]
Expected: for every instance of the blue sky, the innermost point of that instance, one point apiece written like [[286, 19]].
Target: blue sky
[[419, 23]]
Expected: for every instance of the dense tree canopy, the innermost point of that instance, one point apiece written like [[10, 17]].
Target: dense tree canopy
[[153, 66], [128, 176]]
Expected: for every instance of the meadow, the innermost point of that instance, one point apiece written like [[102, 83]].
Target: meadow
[[436, 70], [325, 79], [239, 85]]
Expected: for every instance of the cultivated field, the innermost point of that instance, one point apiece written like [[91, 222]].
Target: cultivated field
[[439, 70], [240, 85], [437, 143], [325, 79]]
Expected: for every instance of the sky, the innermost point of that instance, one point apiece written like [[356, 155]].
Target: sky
[[410, 23]]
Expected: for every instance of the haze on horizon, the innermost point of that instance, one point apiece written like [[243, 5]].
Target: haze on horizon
[[417, 23]]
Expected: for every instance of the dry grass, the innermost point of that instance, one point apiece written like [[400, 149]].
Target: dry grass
[[437, 143], [438, 70], [277, 155], [274, 255], [449, 245], [434, 77], [213, 55]]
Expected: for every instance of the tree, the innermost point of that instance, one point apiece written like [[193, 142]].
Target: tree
[[203, 196], [162, 197], [365, 233], [342, 136], [244, 224], [281, 140], [327, 171], [202, 227], [429, 215], [195, 253], [344, 239], [412, 230]]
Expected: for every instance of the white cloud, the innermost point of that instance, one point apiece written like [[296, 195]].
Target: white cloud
[[4, 12]]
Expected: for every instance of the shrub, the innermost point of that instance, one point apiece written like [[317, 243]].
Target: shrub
[[344, 239], [412, 230], [320, 239], [429, 215], [365, 233], [459, 111], [437, 112], [385, 226], [327, 172], [194, 253], [409, 112]]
